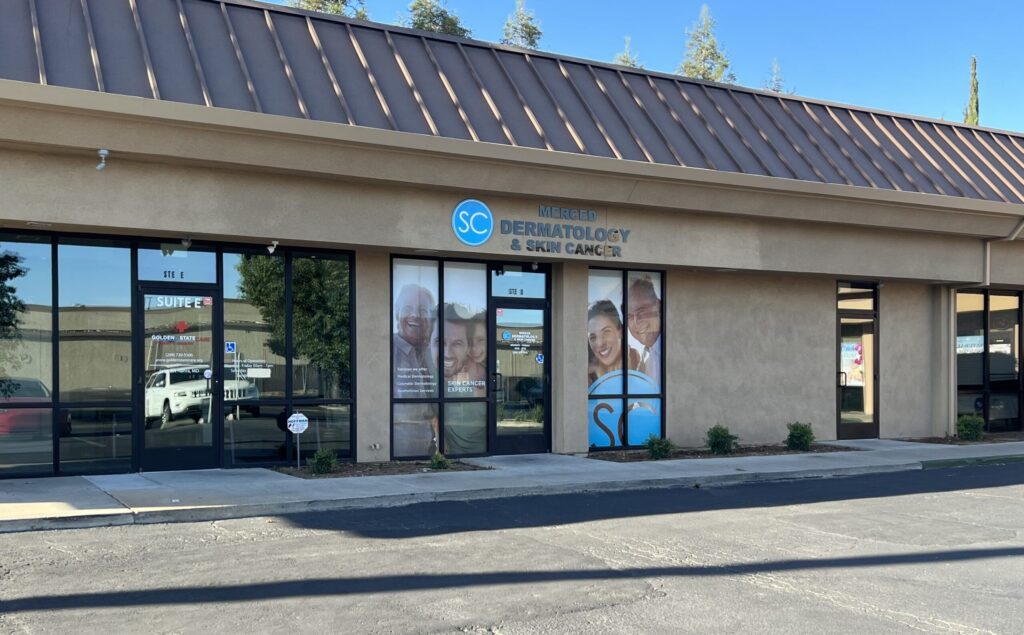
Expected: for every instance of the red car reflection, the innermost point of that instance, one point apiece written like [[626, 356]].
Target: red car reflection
[[32, 421]]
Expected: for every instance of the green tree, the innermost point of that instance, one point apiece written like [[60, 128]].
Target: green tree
[[320, 313], [626, 57], [351, 8], [11, 308], [704, 59], [432, 15], [775, 82], [971, 109], [521, 28]]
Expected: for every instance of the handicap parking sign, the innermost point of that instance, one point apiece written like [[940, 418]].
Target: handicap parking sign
[[229, 347]]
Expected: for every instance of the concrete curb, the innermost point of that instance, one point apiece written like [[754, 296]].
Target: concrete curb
[[985, 460], [226, 512]]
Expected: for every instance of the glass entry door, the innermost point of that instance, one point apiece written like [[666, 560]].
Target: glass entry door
[[857, 379], [180, 396], [519, 379]]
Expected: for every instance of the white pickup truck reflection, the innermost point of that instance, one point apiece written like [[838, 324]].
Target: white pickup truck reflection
[[172, 393]]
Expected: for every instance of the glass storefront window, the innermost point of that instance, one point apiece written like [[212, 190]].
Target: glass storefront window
[[174, 262], [26, 440], [440, 357], [95, 318], [465, 428], [514, 282], [625, 322], [26, 320], [463, 352], [988, 357], [329, 427], [254, 326], [605, 333], [255, 434], [970, 338], [1003, 336], [414, 429], [644, 420], [321, 328], [856, 297], [285, 343], [95, 440], [643, 322], [414, 359]]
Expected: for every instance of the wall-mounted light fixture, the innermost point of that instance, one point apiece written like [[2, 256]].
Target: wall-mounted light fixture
[[103, 154]]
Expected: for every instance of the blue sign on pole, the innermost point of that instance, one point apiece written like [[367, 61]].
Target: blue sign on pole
[[540, 358], [229, 347], [472, 222]]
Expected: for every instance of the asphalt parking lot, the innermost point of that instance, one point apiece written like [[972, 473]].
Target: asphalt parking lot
[[938, 550]]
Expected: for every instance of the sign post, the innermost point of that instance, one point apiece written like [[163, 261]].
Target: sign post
[[297, 424]]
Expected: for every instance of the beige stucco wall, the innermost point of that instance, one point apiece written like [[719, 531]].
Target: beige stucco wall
[[136, 197], [912, 366], [568, 390], [750, 352], [373, 356]]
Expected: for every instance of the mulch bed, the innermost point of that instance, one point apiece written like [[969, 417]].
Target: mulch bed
[[988, 437], [627, 456], [377, 469]]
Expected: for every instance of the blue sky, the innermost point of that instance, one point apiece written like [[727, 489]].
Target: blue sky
[[910, 56]]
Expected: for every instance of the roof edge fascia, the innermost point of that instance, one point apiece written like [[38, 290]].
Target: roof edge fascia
[[55, 98]]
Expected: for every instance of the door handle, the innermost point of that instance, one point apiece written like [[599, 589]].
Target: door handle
[[841, 376], [496, 382]]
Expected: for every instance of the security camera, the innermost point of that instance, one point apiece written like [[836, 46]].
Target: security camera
[[534, 266], [271, 247], [186, 242], [103, 154]]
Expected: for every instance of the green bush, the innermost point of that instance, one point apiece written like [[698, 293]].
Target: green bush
[[323, 462], [970, 427], [800, 436], [720, 440], [440, 462], [659, 448]]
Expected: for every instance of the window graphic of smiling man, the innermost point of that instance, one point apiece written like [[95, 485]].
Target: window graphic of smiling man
[[414, 366]]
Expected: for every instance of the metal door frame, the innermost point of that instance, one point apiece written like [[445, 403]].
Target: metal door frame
[[196, 459], [866, 430], [516, 444]]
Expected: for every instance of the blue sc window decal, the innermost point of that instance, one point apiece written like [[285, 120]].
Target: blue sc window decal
[[472, 222]]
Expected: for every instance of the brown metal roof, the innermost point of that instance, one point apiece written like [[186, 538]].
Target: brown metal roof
[[265, 58]]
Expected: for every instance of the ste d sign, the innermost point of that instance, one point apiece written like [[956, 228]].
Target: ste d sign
[[559, 230]]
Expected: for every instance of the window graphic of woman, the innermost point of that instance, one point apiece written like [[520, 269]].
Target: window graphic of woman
[[604, 334]]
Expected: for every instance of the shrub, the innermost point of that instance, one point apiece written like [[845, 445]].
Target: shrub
[[323, 461], [970, 427], [440, 462], [659, 448], [800, 436], [720, 440]]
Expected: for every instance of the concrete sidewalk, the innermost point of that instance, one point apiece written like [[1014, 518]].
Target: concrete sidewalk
[[158, 497]]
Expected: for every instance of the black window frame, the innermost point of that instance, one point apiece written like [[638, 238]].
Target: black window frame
[[985, 388], [441, 399], [56, 406]]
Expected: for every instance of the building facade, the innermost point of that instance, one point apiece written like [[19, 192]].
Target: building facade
[[423, 244]]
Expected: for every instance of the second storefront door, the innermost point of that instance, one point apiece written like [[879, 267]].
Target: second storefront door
[[519, 378], [179, 403]]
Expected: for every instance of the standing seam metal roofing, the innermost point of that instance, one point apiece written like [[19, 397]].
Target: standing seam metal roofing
[[250, 56]]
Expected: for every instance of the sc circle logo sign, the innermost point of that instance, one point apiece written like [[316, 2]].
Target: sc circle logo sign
[[472, 222]]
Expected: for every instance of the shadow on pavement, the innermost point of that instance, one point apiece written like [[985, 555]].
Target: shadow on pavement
[[438, 518], [327, 587]]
